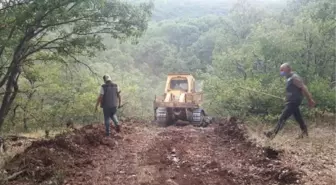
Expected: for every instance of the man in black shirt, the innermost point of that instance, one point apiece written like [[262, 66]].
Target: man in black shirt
[[295, 90], [109, 100]]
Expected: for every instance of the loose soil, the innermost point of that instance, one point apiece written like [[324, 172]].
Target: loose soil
[[144, 154], [314, 156]]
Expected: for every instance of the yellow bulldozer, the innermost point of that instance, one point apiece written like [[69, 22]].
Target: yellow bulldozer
[[180, 101]]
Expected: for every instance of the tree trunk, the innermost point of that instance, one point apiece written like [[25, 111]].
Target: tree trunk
[[25, 125], [25, 108], [14, 115], [9, 94], [12, 75]]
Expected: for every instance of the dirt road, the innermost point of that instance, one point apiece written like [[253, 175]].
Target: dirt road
[[147, 155]]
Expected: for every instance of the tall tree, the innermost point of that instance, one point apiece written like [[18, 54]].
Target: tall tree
[[49, 30]]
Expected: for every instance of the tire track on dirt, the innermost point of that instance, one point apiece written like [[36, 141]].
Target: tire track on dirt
[[197, 156], [117, 165], [149, 155]]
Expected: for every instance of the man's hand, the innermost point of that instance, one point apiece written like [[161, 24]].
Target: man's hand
[[311, 103]]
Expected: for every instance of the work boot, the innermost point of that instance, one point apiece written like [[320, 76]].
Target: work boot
[[117, 128], [303, 134], [269, 134]]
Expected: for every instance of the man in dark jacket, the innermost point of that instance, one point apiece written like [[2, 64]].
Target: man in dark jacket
[[295, 90], [109, 100]]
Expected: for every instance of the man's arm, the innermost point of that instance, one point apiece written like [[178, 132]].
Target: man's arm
[[119, 97], [100, 97], [98, 100], [299, 83]]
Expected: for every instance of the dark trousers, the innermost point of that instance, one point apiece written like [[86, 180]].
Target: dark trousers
[[291, 108], [110, 113]]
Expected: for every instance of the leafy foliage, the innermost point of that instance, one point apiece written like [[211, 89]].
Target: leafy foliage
[[234, 49], [58, 31], [255, 52]]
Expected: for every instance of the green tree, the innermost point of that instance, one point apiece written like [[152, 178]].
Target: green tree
[[59, 31]]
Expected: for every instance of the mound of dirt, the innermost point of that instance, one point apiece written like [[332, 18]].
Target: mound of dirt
[[46, 158], [257, 164], [230, 130], [220, 154]]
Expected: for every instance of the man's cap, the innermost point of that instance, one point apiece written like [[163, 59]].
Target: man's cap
[[107, 78]]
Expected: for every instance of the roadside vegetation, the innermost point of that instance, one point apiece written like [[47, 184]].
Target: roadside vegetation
[[53, 56]]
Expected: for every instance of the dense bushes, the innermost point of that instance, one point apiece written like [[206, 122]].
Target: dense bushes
[[250, 57], [252, 97], [236, 56]]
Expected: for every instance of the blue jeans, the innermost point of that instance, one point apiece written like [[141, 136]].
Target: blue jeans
[[110, 113]]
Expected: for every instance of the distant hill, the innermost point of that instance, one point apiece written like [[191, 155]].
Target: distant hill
[[171, 9], [175, 9]]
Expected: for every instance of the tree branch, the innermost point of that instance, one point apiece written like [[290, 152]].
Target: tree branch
[[6, 5], [9, 37], [14, 114], [81, 63], [66, 22], [46, 44], [17, 57], [15, 175], [38, 20]]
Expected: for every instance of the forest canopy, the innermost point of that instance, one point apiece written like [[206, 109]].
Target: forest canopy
[[54, 54]]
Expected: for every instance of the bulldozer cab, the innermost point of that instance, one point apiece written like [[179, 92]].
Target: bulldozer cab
[[180, 82], [180, 101]]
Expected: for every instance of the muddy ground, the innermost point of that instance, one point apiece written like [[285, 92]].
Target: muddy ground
[[143, 154]]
